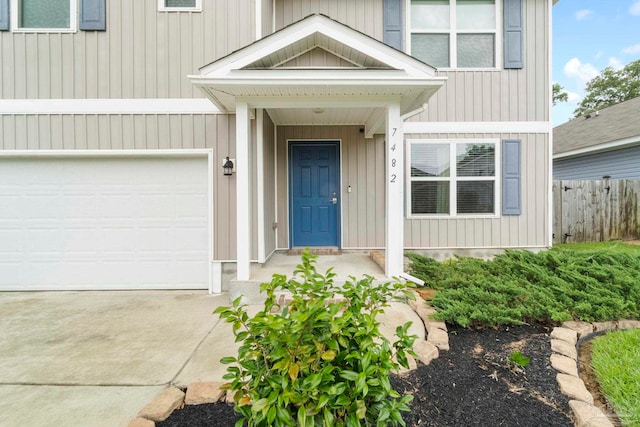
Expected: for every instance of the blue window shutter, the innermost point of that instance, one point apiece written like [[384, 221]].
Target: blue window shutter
[[93, 15], [4, 15], [393, 23], [511, 177], [513, 34]]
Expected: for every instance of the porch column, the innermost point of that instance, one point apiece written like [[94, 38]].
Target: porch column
[[243, 192], [394, 208]]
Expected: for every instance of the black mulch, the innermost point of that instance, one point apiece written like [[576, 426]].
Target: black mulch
[[473, 384]]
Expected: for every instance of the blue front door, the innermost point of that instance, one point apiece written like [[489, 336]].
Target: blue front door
[[314, 193]]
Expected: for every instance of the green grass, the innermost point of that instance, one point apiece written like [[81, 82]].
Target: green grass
[[591, 284], [615, 358], [615, 246]]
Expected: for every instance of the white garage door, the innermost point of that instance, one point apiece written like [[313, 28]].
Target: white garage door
[[104, 223]]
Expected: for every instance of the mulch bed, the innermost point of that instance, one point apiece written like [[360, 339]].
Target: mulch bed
[[473, 384]]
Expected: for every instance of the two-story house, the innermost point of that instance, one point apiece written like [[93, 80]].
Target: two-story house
[[173, 143]]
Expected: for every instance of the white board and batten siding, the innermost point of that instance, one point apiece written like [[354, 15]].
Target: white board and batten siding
[[114, 221]]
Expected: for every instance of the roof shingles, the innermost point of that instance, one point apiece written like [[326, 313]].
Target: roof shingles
[[615, 123]]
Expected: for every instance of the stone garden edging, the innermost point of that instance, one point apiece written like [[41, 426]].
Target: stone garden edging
[[172, 398], [564, 359]]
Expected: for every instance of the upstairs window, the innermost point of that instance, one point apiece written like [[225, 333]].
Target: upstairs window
[[455, 33], [44, 16], [453, 178], [180, 5]]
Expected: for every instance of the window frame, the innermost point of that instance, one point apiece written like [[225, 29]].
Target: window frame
[[163, 8], [453, 178], [453, 32], [15, 20]]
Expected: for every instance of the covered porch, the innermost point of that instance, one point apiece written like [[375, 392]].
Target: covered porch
[[315, 74]]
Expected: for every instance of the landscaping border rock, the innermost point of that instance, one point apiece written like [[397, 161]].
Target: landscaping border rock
[[437, 339], [564, 341]]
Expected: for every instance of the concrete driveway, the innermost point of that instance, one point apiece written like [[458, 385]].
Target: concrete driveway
[[96, 358]]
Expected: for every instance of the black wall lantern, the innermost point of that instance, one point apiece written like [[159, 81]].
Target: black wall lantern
[[228, 167]]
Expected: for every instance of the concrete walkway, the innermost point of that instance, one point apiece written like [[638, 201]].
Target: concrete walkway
[[96, 358]]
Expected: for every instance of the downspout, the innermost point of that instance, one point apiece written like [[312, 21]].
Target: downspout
[[412, 279]]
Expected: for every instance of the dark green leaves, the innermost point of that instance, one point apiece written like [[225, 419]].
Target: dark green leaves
[[321, 360]]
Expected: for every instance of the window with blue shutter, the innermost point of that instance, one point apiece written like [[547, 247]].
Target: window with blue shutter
[[511, 177], [393, 23], [513, 34], [93, 15]]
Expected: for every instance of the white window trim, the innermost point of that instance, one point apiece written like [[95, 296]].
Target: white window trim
[[163, 8], [73, 20], [453, 179], [453, 41]]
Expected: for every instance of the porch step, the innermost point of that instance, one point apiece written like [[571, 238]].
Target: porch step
[[378, 258], [250, 290], [315, 251]]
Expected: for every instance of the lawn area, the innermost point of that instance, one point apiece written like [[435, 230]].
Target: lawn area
[[614, 246], [616, 362], [590, 282]]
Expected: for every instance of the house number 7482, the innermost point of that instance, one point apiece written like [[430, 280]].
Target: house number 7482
[[393, 176]]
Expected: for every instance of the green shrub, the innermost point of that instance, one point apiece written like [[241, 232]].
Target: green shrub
[[522, 287], [320, 360]]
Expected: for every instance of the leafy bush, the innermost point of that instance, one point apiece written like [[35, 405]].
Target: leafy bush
[[321, 360], [521, 286]]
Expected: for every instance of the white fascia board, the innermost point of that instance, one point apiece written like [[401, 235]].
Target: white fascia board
[[477, 127], [308, 27], [108, 106], [198, 152], [319, 101], [621, 143], [354, 79]]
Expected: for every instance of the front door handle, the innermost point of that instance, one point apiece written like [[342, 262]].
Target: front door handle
[[334, 200]]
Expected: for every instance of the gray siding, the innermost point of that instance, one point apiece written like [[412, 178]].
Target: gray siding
[[363, 209], [267, 17], [506, 95], [525, 230], [143, 54], [269, 178], [363, 15], [362, 164], [143, 132], [618, 164]]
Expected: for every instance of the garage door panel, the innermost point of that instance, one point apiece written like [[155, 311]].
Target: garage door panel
[[104, 223]]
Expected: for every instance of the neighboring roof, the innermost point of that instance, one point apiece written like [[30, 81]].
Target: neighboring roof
[[612, 127]]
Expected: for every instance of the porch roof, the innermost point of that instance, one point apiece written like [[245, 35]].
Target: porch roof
[[363, 76]]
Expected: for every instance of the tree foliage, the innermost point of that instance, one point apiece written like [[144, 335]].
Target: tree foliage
[[559, 94], [611, 87]]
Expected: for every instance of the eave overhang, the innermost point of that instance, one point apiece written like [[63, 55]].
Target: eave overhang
[[397, 77]]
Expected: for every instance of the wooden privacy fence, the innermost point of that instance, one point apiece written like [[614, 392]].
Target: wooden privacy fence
[[595, 211]]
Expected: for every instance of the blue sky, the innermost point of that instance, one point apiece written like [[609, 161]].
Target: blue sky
[[588, 36]]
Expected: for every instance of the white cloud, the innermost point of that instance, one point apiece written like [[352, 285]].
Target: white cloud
[[632, 50], [615, 63], [573, 98], [635, 8], [575, 69], [583, 14]]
